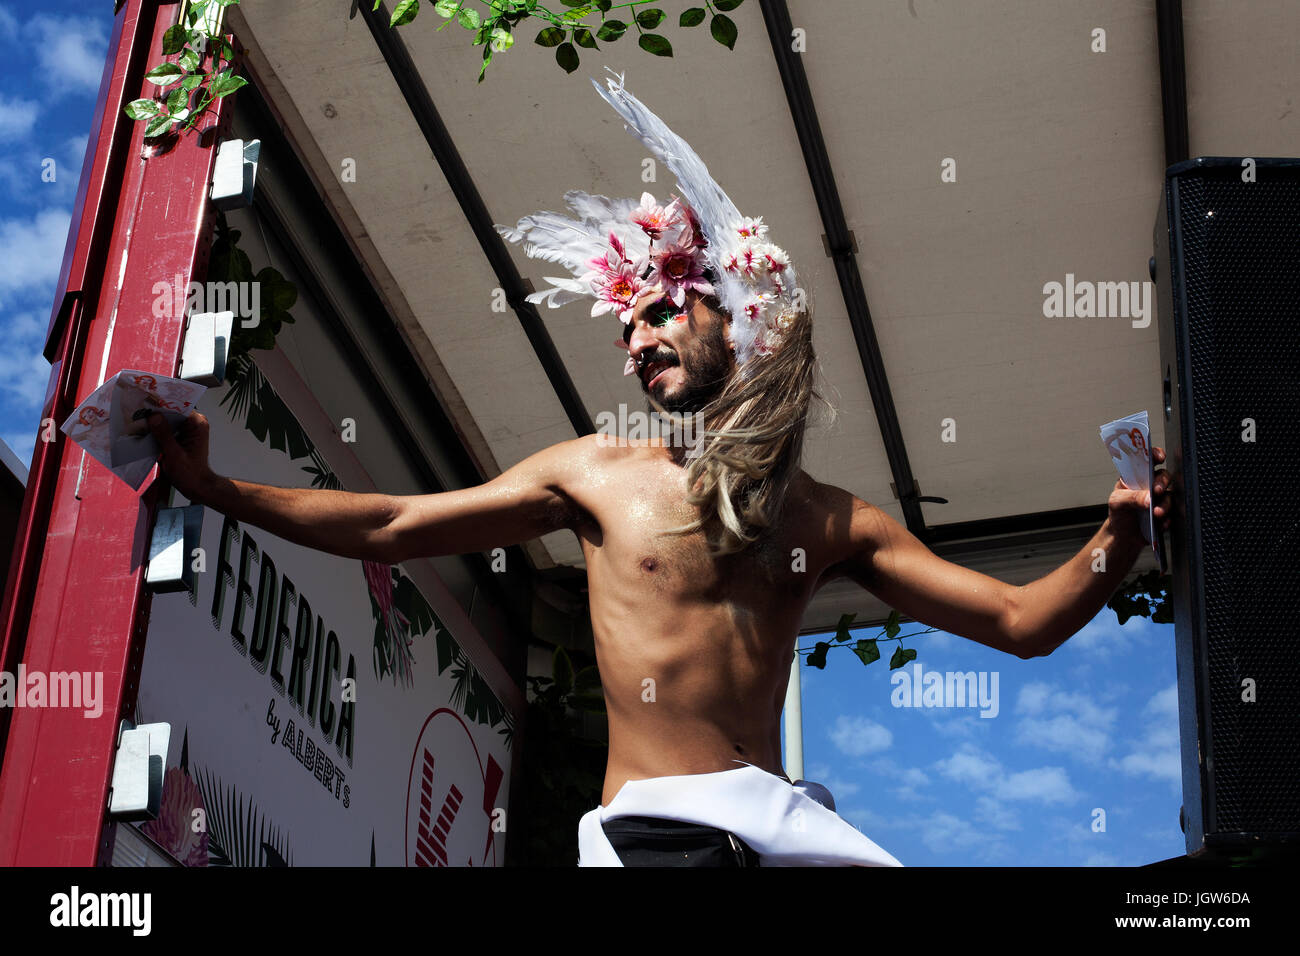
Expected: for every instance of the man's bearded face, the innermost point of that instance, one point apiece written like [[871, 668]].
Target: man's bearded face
[[682, 354]]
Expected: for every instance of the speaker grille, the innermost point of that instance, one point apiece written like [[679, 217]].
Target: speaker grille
[[1242, 260]]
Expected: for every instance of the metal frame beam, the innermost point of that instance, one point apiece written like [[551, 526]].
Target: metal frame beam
[[426, 116], [1173, 79], [83, 571], [842, 251]]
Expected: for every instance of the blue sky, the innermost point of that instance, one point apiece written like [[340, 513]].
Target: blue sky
[[49, 81], [1093, 725]]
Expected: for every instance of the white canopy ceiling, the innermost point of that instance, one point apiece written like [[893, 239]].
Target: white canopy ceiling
[[1059, 158]]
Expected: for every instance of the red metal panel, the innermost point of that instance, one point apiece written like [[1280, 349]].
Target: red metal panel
[[89, 608]]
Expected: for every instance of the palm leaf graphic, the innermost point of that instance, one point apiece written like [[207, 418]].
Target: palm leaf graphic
[[241, 834]]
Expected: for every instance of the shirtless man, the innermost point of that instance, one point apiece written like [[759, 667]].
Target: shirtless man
[[715, 634]]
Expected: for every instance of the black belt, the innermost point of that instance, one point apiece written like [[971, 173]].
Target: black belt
[[655, 841]]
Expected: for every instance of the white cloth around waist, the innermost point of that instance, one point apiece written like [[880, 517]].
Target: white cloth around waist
[[782, 823]]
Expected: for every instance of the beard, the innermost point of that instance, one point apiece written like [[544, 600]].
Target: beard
[[707, 368]]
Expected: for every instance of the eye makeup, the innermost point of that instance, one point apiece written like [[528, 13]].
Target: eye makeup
[[662, 311]]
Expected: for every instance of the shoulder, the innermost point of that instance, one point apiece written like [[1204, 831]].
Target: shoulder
[[853, 527]]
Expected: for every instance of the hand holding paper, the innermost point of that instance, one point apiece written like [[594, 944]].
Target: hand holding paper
[[1129, 442], [112, 424]]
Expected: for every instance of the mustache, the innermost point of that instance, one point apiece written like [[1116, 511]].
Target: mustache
[[646, 359]]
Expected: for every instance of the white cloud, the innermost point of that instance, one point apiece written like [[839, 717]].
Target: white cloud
[[75, 148], [24, 376], [858, 736], [1064, 721], [1156, 754], [32, 253], [1101, 859], [8, 23], [25, 172], [17, 117], [909, 778], [840, 788], [70, 51], [982, 772], [993, 813], [24, 373]]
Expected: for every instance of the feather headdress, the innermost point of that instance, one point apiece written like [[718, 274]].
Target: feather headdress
[[616, 249]]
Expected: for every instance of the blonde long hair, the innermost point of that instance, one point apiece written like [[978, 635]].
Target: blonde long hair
[[751, 444]]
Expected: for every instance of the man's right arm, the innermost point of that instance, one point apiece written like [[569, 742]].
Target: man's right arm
[[524, 502]]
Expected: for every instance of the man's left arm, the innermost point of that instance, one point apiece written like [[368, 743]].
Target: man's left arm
[[1047, 612], [1030, 620]]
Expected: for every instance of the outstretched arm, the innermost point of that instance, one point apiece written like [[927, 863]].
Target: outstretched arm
[[1030, 620], [523, 502]]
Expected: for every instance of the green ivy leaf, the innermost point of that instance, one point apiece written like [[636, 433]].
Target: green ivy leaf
[[404, 12], [174, 39], [901, 656], [604, 5], [446, 8], [611, 30], [656, 44], [891, 626], [224, 84], [692, 17], [649, 19], [158, 125], [842, 628], [189, 60], [469, 19], [551, 36], [723, 30], [141, 109], [191, 82], [502, 39], [567, 57], [726, 5], [867, 650], [818, 657], [165, 74], [582, 36], [176, 100]]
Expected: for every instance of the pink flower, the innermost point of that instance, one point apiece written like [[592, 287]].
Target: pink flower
[[678, 268], [777, 260], [653, 218], [615, 280]]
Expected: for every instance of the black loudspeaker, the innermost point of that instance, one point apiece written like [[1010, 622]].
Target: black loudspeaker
[[1227, 273]]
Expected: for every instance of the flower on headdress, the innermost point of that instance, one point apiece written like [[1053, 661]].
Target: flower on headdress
[[653, 218], [751, 261], [752, 228], [615, 280], [679, 268], [777, 260]]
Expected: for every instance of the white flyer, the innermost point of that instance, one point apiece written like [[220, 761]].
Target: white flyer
[[110, 425], [1128, 440]]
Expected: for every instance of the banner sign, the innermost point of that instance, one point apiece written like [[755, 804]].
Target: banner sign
[[321, 711]]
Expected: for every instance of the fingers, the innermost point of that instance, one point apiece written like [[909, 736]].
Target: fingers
[[162, 432]]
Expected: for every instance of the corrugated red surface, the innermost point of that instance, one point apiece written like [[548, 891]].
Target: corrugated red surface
[[75, 599]]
